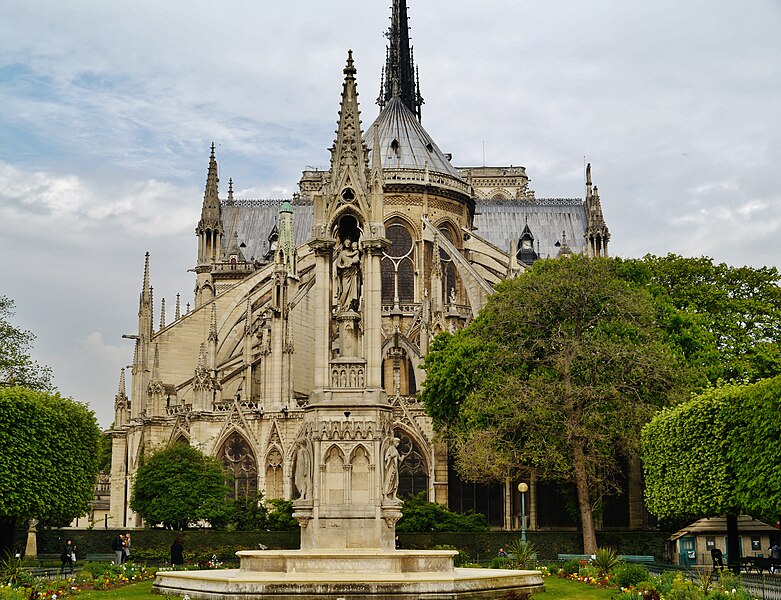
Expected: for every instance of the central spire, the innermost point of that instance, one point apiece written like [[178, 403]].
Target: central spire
[[400, 76]]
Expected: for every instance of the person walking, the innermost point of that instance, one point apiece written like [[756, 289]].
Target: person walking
[[117, 545], [125, 547], [177, 551], [775, 558], [68, 557]]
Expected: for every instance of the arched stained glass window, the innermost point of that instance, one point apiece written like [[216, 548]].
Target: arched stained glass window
[[398, 269], [449, 274], [240, 465], [274, 474], [413, 469]]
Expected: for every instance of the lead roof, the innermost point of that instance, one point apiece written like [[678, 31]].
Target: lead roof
[[496, 221]]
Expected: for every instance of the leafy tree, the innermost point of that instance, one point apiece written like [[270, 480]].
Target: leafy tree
[[180, 485], [249, 513], [16, 366], [104, 452], [48, 463], [280, 518], [727, 320], [418, 514], [717, 455], [557, 375]]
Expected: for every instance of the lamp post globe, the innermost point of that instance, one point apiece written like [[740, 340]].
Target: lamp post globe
[[523, 488]]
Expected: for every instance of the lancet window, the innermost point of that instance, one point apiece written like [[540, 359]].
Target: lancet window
[[413, 469], [398, 268], [240, 465], [274, 488], [449, 277]]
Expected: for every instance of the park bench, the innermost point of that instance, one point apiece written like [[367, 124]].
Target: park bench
[[101, 556], [636, 558]]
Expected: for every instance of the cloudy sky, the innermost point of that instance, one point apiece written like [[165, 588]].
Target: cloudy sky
[[107, 111]]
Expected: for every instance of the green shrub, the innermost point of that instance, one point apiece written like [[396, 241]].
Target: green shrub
[[683, 589], [418, 514], [605, 560], [12, 571], [630, 574], [571, 567], [248, 513], [280, 517], [500, 562], [525, 554]]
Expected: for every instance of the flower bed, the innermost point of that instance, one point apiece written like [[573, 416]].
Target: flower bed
[[91, 576]]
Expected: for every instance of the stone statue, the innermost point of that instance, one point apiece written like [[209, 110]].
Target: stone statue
[[348, 275], [390, 481], [303, 473]]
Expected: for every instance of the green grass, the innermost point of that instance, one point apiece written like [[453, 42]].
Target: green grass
[[136, 591], [556, 588]]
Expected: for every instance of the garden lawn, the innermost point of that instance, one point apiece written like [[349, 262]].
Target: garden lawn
[[556, 588], [135, 591]]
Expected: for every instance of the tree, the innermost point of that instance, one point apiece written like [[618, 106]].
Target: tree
[[418, 514], [717, 455], [249, 513], [104, 451], [48, 463], [180, 485], [726, 319], [556, 376], [16, 366], [280, 517]]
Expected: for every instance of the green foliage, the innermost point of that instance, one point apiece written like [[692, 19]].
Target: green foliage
[[280, 518], [248, 513], [630, 574], [675, 586], [12, 571], [557, 375], [716, 454], [571, 567], [605, 560], [726, 320], [525, 554], [48, 465], [418, 514], [180, 485], [500, 562], [104, 452], [16, 366]]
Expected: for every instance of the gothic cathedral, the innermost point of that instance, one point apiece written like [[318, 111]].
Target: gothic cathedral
[[330, 299]]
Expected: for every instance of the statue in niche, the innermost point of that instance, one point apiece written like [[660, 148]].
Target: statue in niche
[[303, 473], [390, 480], [348, 275]]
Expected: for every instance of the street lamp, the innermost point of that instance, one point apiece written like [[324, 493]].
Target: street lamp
[[522, 487]]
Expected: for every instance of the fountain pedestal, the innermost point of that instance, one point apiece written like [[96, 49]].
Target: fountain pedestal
[[357, 574]]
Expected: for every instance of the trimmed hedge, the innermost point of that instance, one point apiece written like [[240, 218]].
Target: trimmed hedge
[[484, 546], [158, 541], [155, 543]]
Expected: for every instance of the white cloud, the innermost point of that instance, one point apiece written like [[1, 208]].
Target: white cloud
[[109, 111]]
